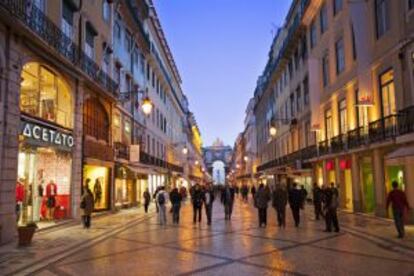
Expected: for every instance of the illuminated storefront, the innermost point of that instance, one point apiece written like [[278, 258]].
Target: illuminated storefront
[[97, 179], [43, 189]]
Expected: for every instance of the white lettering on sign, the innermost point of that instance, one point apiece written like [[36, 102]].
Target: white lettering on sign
[[47, 135]]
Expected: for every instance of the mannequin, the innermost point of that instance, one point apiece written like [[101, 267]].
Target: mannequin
[[38, 196], [97, 190], [20, 193], [51, 193]]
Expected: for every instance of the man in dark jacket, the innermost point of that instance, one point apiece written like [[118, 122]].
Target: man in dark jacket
[[175, 198], [295, 202], [208, 202], [279, 202], [331, 208], [147, 199], [197, 198], [399, 203], [262, 198], [227, 199], [317, 200]]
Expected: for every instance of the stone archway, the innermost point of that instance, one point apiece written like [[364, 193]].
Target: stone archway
[[218, 153]]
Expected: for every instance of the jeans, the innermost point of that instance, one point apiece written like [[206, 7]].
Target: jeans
[[228, 209], [262, 216], [331, 218], [146, 204], [209, 211], [176, 213], [399, 222], [196, 210], [296, 214], [162, 214], [318, 210], [281, 215], [86, 221]]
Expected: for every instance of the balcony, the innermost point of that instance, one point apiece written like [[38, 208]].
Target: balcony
[[381, 130], [37, 22], [150, 160], [121, 151]]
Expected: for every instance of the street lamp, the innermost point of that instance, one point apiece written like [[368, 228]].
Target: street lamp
[[246, 158], [185, 150], [196, 163], [273, 129], [147, 105]]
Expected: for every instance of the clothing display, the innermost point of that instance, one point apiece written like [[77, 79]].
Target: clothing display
[[51, 192], [97, 190]]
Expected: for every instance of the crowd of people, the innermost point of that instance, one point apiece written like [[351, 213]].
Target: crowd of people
[[325, 201]]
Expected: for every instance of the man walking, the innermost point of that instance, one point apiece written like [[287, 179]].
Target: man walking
[[227, 199], [162, 198], [197, 200], [262, 199], [279, 202], [208, 202], [295, 202], [175, 198], [147, 199], [317, 200], [399, 204], [331, 206]]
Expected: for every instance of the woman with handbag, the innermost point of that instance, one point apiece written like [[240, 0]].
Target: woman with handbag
[[87, 206]]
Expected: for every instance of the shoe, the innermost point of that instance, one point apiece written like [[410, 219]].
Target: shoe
[[327, 231]]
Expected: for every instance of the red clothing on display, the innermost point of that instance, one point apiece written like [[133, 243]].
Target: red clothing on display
[[19, 192], [51, 189], [398, 200]]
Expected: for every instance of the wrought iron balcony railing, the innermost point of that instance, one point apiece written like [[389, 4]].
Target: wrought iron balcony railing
[[121, 150], [150, 160], [36, 21]]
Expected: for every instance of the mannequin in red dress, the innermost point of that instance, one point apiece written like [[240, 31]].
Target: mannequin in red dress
[[19, 198], [51, 193]]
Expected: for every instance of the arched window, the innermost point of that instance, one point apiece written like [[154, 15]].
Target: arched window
[[46, 95], [95, 120]]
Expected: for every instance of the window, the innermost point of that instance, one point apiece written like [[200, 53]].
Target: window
[[307, 133], [343, 123], [142, 62], [354, 51], [306, 90], [67, 19], [382, 17], [323, 18], [106, 11], [304, 49], [340, 56], [361, 111], [298, 99], [153, 79], [148, 72], [89, 42], [117, 31], [128, 41], [325, 70], [40, 4], [328, 124], [292, 105], [296, 58], [313, 35], [95, 120], [148, 144], [387, 93], [45, 95], [106, 60], [337, 6]]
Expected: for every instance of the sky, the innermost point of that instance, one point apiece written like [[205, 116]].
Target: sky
[[220, 48]]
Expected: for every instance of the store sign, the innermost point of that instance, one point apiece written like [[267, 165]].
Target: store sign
[[47, 135]]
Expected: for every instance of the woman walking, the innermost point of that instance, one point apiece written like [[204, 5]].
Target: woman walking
[[175, 198], [87, 205], [261, 200]]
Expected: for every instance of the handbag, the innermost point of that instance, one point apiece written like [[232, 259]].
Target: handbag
[[83, 204]]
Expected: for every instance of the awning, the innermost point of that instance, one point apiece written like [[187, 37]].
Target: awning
[[401, 152]]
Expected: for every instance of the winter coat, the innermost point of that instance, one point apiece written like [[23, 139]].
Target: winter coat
[[88, 202], [295, 198], [224, 198], [198, 198], [175, 198], [262, 198], [279, 199]]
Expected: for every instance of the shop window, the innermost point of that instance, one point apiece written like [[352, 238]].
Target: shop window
[[387, 91], [342, 117], [45, 95], [97, 180], [95, 120]]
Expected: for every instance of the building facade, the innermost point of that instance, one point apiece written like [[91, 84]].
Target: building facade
[[74, 77], [357, 96]]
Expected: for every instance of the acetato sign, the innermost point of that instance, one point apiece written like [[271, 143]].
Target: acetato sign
[[47, 135]]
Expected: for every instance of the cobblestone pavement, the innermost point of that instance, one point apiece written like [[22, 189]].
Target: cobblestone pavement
[[132, 243]]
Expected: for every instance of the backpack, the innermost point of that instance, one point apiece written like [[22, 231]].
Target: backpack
[[161, 199]]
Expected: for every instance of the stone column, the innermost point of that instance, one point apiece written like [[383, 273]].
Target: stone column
[[356, 185], [324, 173], [10, 125], [379, 182], [340, 184], [77, 150]]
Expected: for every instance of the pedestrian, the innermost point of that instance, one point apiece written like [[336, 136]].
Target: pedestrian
[[399, 204], [253, 191], [317, 200], [304, 194], [227, 199], [87, 206], [295, 202], [331, 208], [147, 199], [162, 199], [175, 198], [208, 202], [197, 198], [262, 198], [154, 196], [279, 202]]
